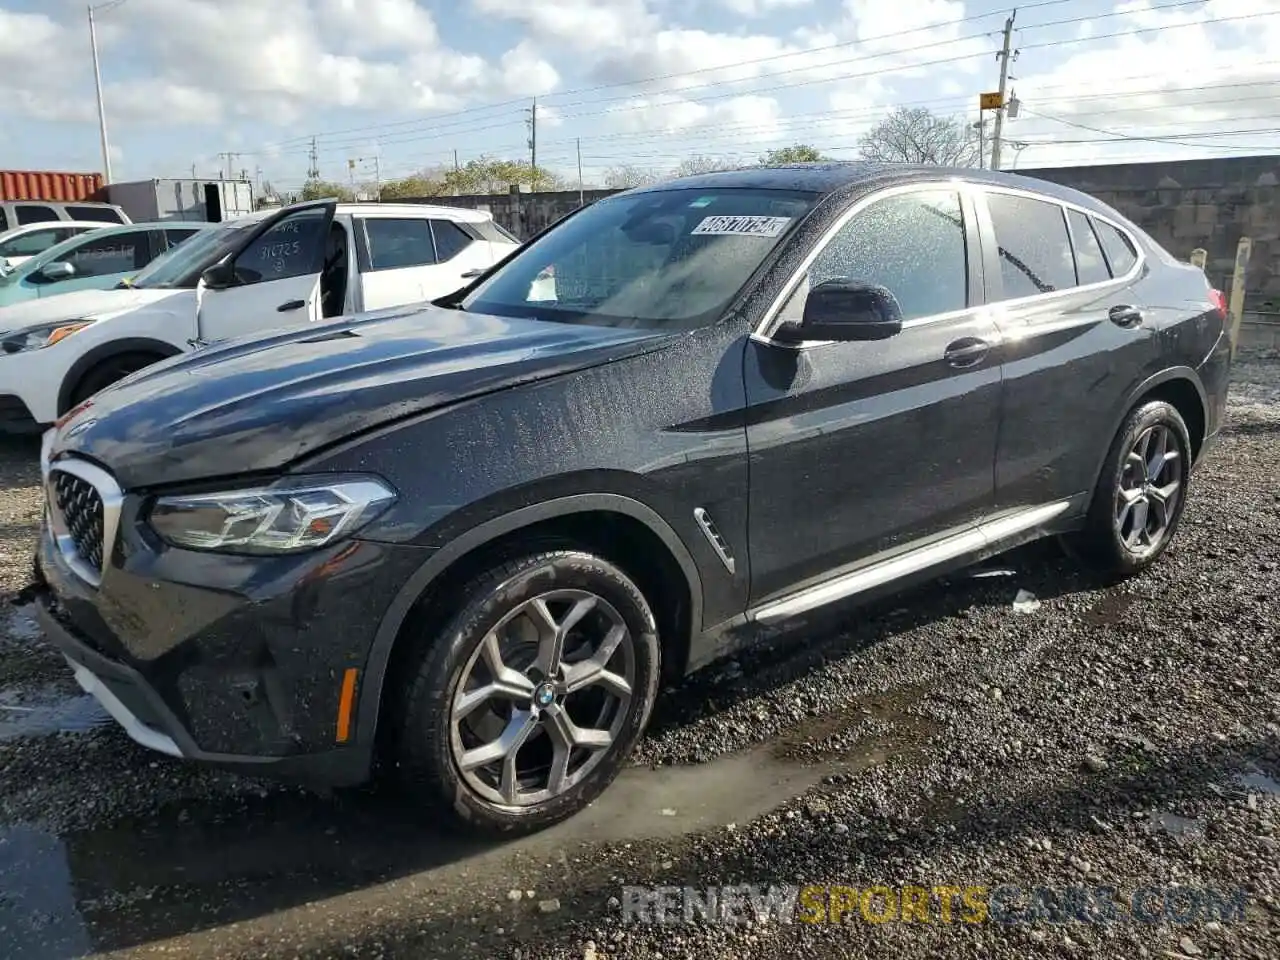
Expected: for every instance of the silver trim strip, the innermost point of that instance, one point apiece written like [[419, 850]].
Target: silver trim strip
[[712, 533], [764, 330], [987, 534], [112, 501], [135, 728]]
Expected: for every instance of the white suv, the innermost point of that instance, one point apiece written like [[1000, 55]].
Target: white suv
[[297, 265]]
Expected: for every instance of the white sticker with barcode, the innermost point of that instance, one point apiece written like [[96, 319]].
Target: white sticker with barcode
[[742, 226]]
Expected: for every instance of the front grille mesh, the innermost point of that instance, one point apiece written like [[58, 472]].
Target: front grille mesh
[[81, 508]]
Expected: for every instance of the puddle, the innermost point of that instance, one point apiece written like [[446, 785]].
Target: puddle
[[1255, 781], [1111, 609], [38, 916], [49, 709], [17, 625], [1182, 829]]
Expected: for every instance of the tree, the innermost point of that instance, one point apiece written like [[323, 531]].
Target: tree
[[428, 182], [627, 176], [692, 166], [486, 175], [797, 153], [321, 189], [918, 136]]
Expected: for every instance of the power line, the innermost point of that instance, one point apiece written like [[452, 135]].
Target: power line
[[436, 126]]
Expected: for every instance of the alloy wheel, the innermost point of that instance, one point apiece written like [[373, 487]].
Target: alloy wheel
[[1149, 493], [542, 699]]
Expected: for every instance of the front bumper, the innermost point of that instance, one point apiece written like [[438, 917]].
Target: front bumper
[[236, 662]]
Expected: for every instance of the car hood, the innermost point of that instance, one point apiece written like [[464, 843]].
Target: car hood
[[81, 303], [258, 405]]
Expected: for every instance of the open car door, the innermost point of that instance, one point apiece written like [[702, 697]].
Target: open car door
[[272, 280]]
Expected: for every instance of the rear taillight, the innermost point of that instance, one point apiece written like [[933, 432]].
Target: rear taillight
[[1219, 301]]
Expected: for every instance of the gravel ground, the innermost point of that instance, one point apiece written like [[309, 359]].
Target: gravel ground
[[1122, 736]]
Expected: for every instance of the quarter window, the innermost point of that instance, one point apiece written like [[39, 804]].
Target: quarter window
[[34, 213], [912, 244], [396, 243], [1035, 251], [1120, 252], [119, 253], [450, 240], [288, 249], [1091, 266]]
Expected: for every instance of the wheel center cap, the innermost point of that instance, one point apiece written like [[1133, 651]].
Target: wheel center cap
[[544, 695]]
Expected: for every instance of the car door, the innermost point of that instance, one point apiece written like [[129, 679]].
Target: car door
[[458, 257], [1075, 340], [395, 256], [273, 278], [859, 449]]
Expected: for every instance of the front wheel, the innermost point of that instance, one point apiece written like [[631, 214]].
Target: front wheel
[[108, 372], [528, 703], [1141, 493]]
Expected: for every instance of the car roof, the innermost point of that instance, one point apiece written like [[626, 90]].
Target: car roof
[[417, 209], [831, 177], [56, 224]]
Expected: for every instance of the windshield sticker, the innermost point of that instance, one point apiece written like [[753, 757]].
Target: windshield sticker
[[702, 202], [742, 226]]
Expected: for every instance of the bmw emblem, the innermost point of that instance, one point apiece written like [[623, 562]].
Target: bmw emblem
[[544, 696]]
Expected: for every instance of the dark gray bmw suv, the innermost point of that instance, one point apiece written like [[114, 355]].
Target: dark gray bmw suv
[[473, 537]]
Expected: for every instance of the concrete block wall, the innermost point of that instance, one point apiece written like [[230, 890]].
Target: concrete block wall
[[1183, 204]]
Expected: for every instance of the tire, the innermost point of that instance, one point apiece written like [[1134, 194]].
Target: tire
[[108, 372], [1118, 539], [445, 718]]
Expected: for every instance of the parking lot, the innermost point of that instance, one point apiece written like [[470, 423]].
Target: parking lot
[[1124, 736]]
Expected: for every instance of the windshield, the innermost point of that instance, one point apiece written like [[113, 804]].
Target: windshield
[[670, 259], [181, 266]]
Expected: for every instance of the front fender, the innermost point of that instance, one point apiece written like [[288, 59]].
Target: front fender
[[371, 688]]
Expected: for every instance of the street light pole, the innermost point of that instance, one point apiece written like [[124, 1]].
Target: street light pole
[[97, 82]]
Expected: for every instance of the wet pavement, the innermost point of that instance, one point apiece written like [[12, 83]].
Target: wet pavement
[[1122, 734]]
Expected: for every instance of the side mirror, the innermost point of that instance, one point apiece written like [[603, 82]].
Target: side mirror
[[845, 310], [219, 276], [53, 272]]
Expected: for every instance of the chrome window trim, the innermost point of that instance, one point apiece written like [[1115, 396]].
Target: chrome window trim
[[763, 333], [112, 502]]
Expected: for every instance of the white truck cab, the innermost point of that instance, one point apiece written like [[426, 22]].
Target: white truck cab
[[300, 264]]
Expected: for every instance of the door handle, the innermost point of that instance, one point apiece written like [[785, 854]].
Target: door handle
[[1125, 316], [966, 352], [472, 274], [291, 305]]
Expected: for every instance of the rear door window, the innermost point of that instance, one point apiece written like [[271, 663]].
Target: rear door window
[[1091, 266], [34, 213], [1034, 248], [395, 243], [1119, 251]]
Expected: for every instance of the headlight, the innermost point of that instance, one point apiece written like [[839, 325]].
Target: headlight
[[286, 517], [41, 335]]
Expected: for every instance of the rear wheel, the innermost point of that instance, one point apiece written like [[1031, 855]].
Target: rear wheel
[[1141, 493], [527, 705], [108, 372]]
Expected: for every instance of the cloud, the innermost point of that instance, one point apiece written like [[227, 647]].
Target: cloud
[[760, 8]]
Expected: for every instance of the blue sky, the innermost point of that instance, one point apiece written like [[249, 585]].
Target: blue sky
[[643, 82]]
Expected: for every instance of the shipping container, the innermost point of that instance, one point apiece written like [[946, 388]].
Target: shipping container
[[203, 200], [48, 185]]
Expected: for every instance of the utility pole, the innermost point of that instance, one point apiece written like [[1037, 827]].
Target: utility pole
[[313, 171], [1005, 55], [97, 83], [578, 141], [533, 143], [231, 165]]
